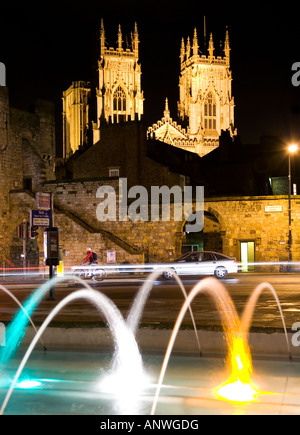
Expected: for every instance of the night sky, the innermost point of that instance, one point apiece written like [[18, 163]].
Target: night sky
[[46, 46]]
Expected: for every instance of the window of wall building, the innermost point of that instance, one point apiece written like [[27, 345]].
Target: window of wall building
[[119, 103], [114, 172], [210, 113], [27, 183]]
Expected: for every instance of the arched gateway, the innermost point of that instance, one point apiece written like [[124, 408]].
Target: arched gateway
[[209, 239]]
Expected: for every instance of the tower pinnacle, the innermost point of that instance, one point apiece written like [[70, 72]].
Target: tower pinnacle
[[120, 38], [227, 46], [102, 37], [211, 46], [136, 40], [195, 43], [182, 50], [166, 111], [188, 48]]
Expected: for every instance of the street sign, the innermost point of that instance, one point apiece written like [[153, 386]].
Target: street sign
[[111, 256], [272, 208], [43, 201], [40, 218]]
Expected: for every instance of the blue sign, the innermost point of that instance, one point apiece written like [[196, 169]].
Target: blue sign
[[40, 218]]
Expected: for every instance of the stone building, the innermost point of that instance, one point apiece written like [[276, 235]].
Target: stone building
[[119, 95], [75, 117], [205, 100], [27, 154], [242, 213], [205, 103]]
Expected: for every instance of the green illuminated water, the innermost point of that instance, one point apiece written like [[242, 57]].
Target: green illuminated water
[[16, 329]]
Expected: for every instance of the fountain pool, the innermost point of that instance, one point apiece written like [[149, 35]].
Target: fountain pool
[[128, 380], [70, 381]]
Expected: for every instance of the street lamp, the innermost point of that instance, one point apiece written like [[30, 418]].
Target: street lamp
[[293, 148]]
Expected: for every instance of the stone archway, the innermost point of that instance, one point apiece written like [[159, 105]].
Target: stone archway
[[212, 240], [191, 241], [209, 239]]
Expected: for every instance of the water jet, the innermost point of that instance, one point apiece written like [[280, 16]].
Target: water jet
[[180, 396]]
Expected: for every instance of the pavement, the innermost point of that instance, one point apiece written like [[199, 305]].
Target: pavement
[[163, 303], [79, 324]]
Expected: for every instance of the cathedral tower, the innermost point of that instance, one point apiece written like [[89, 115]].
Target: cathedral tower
[[205, 98], [119, 94], [75, 117]]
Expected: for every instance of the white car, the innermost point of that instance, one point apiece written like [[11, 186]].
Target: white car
[[202, 263]]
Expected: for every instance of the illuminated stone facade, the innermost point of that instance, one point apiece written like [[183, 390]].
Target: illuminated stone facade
[[169, 131], [27, 156], [119, 94], [205, 93], [75, 117], [205, 100]]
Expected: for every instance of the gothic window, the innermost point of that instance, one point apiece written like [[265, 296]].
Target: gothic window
[[210, 112], [119, 100]]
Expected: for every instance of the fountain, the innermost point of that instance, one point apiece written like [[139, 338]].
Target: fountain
[[123, 380], [249, 309], [240, 357], [17, 327], [128, 356], [137, 308], [26, 315]]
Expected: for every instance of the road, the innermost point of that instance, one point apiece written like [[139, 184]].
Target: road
[[165, 301]]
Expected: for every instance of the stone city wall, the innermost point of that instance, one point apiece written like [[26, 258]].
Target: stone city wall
[[133, 241], [27, 142], [263, 220]]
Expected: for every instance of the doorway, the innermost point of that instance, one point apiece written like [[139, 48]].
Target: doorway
[[247, 255]]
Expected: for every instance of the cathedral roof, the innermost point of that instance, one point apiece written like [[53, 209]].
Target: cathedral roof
[[168, 131]]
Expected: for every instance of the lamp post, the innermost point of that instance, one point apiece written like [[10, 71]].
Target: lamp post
[[291, 149]]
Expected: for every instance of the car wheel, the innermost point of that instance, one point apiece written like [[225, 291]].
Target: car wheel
[[220, 272], [168, 274]]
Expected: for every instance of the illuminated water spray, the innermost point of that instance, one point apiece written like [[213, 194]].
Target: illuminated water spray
[[16, 329], [129, 370], [138, 305], [126, 379], [239, 355], [239, 387]]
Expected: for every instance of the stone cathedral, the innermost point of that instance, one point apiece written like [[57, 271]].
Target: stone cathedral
[[205, 105], [105, 139], [205, 100]]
